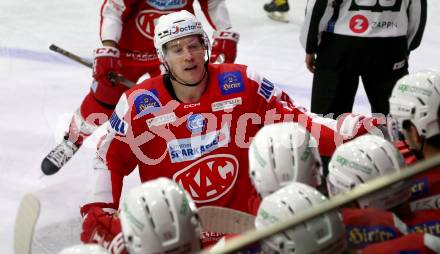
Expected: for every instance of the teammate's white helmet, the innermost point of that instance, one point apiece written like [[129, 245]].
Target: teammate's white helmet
[[174, 26], [416, 97], [85, 249], [323, 234], [159, 216], [281, 153], [361, 160]]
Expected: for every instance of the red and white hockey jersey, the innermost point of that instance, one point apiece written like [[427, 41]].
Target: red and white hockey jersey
[[131, 24], [203, 146]]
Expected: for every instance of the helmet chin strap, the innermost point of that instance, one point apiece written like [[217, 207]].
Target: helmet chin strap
[[419, 152]]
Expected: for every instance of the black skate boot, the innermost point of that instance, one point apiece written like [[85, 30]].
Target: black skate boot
[[59, 156], [278, 10]]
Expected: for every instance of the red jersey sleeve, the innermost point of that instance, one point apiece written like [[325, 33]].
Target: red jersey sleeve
[[115, 150], [276, 106]]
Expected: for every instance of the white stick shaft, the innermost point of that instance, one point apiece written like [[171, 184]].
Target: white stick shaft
[[25, 222]]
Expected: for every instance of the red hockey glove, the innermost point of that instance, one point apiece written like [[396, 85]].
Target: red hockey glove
[[224, 47], [99, 226], [106, 60]]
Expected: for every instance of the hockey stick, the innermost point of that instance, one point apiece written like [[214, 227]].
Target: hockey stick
[[114, 77], [25, 223], [225, 220], [329, 205]]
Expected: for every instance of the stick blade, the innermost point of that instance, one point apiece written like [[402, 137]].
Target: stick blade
[[25, 222], [225, 220]]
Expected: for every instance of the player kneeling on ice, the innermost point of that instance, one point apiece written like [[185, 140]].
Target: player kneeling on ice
[[373, 218], [282, 153], [156, 217], [194, 123], [323, 234]]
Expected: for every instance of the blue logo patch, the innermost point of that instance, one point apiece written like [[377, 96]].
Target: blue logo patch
[[266, 89], [167, 4], [230, 82], [146, 103], [118, 125], [195, 123], [419, 187]]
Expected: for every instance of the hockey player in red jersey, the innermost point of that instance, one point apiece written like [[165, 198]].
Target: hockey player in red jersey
[[126, 32], [194, 124]]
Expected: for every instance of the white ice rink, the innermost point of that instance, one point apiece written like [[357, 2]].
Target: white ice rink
[[39, 90]]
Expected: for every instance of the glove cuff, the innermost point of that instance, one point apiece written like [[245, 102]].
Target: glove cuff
[[226, 34], [106, 51]]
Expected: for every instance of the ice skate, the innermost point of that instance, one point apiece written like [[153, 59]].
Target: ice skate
[[59, 156], [278, 10]]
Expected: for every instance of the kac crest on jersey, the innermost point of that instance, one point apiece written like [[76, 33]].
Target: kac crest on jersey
[[209, 178], [146, 20]]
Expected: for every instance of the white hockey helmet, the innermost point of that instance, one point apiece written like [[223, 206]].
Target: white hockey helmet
[[323, 234], [160, 216], [174, 26], [361, 160], [281, 153], [416, 98], [85, 249]]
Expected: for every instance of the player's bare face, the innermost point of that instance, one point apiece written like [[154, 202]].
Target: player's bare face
[[186, 58]]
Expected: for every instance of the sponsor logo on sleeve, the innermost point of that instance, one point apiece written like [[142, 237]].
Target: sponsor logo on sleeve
[[167, 4], [226, 104], [266, 89], [146, 102], [195, 123], [117, 124], [231, 82], [192, 148], [161, 120], [209, 178]]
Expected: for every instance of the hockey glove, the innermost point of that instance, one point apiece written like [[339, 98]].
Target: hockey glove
[[106, 60], [99, 226], [224, 47]]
